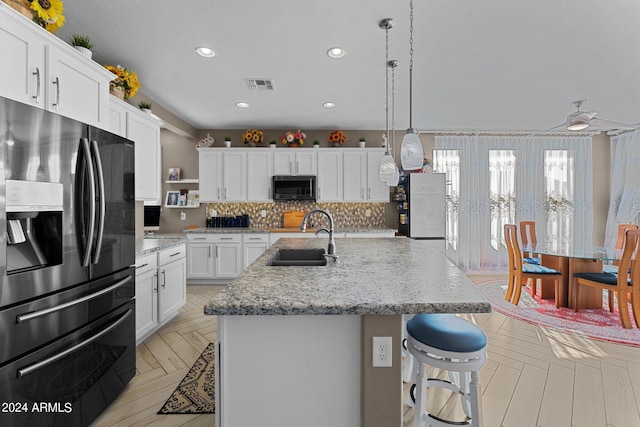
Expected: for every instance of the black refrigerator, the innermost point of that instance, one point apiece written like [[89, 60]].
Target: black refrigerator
[[67, 282]]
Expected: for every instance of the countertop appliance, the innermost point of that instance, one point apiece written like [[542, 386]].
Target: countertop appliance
[[426, 200], [294, 187], [67, 306]]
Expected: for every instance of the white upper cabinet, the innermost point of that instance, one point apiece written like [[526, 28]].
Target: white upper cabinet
[[361, 176], [223, 175], [330, 176], [144, 131], [259, 173], [295, 161], [47, 73]]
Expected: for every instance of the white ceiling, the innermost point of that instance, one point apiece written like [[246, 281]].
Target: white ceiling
[[478, 64]]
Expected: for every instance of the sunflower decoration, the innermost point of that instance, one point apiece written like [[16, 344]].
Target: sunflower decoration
[[293, 138], [48, 14], [254, 136], [337, 137], [125, 78]]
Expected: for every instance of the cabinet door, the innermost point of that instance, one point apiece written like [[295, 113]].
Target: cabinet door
[[172, 289], [235, 176], [377, 191], [227, 261], [330, 176], [259, 172], [75, 89], [251, 252], [354, 176], [200, 261], [145, 133], [117, 117], [146, 302], [22, 74], [283, 162], [305, 162], [210, 166]]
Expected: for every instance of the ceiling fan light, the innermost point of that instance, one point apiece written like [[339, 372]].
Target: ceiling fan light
[[578, 125], [411, 152]]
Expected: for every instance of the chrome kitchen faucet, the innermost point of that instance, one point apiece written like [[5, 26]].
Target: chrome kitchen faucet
[[331, 249]]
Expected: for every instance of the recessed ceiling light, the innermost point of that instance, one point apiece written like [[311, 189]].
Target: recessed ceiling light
[[336, 52], [242, 104], [329, 105], [205, 52]]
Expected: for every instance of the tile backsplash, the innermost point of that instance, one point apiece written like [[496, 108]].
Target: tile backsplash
[[345, 215]]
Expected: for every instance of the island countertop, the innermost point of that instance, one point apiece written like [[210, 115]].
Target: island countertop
[[380, 276]]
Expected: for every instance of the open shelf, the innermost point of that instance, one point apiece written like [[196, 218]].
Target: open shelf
[[184, 181]]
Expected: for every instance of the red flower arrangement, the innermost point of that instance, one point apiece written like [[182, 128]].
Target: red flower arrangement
[[337, 136]]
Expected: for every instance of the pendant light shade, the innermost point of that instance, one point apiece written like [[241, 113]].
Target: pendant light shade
[[387, 166], [411, 152], [396, 177]]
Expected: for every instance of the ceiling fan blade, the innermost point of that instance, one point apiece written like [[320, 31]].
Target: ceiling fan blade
[[562, 125], [605, 124]]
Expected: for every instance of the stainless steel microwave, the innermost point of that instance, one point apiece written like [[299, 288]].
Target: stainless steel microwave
[[299, 187]]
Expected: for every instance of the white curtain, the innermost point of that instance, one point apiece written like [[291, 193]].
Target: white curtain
[[624, 205], [474, 249]]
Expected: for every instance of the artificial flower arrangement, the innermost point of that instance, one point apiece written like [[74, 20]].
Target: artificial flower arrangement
[[126, 79], [253, 135], [48, 14], [293, 138], [337, 136]]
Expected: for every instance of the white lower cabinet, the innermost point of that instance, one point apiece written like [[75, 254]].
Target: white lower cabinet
[[213, 256], [160, 289], [253, 245]]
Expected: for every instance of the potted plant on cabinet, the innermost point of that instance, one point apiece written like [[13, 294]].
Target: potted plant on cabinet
[[227, 141], [362, 142], [145, 106], [272, 143], [82, 44], [316, 143]]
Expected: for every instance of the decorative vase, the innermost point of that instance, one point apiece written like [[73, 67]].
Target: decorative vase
[[335, 144], [292, 145], [362, 144], [84, 51], [272, 145], [146, 110], [117, 91], [251, 144], [21, 6], [316, 145]]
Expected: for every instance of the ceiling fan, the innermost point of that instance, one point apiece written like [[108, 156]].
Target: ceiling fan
[[581, 120]]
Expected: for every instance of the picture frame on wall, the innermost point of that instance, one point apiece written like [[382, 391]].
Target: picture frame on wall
[[172, 198], [174, 174]]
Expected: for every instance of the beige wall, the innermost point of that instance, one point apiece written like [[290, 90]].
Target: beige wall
[[601, 185]]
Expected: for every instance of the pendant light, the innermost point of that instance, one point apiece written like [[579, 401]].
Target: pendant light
[[411, 153], [396, 173], [387, 163]]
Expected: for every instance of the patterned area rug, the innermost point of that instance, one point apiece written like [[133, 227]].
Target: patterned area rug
[[598, 324], [195, 393]]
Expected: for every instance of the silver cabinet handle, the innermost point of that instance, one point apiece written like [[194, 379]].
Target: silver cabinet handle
[[35, 314], [217, 252], [362, 193], [199, 238], [36, 97], [226, 238], [218, 194], [57, 83], [39, 365], [154, 280], [143, 265], [164, 279], [209, 251], [177, 253], [297, 167], [291, 167], [369, 193], [225, 193]]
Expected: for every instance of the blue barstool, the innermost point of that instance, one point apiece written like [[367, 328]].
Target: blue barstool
[[453, 344]]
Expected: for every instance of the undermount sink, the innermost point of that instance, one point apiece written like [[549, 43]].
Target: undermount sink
[[298, 257]]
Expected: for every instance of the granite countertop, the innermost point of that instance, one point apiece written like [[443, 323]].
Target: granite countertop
[[148, 246], [374, 276], [284, 230]]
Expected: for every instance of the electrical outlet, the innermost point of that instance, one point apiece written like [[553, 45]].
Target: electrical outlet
[[183, 216], [382, 352], [367, 213], [263, 213]]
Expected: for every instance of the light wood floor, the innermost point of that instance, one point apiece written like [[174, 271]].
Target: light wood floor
[[533, 376]]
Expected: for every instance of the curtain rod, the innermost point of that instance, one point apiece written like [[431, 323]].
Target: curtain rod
[[489, 132]]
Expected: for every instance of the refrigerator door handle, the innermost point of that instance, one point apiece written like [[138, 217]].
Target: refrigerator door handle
[[84, 144], [102, 208]]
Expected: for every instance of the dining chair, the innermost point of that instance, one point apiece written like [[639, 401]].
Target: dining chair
[[627, 281], [622, 229], [519, 271], [528, 236]]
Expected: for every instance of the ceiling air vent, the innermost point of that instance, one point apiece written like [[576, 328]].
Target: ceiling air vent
[[260, 84]]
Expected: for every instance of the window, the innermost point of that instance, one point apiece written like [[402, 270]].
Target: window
[[502, 193], [559, 194], [448, 162]]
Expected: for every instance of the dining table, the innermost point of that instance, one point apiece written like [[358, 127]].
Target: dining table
[[569, 259]]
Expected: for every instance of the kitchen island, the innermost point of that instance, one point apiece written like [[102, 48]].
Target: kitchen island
[[295, 343]]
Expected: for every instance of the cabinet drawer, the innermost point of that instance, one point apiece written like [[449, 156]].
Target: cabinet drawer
[[255, 238], [146, 263], [171, 254], [200, 237], [227, 238]]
